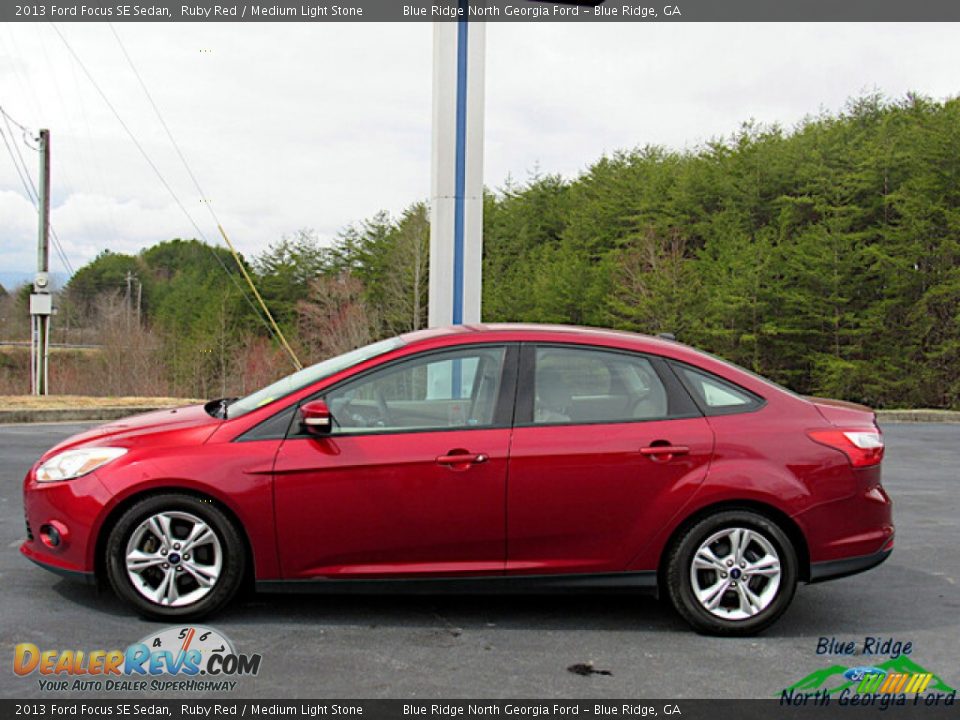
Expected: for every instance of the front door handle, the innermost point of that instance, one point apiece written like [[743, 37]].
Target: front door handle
[[462, 459], [664, 453]]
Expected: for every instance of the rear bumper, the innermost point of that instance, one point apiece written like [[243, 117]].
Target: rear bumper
[[849, 527], [833, 569]]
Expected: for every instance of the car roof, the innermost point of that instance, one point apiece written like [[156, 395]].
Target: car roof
[[614, 339], [545, 332]]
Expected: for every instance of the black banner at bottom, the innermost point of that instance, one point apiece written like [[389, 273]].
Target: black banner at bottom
[[46, 709]]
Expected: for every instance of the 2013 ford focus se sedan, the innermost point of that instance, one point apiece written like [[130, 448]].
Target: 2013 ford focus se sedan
[[477, 458]]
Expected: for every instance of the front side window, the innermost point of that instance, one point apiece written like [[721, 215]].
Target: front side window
[[577, 385], [447, 390]]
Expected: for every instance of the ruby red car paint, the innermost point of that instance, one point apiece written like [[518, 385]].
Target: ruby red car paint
[[487, 458]]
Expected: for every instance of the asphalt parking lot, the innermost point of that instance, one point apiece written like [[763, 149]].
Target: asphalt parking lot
[[521, 647]]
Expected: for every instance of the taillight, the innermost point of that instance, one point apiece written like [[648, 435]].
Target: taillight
[[863, 447]]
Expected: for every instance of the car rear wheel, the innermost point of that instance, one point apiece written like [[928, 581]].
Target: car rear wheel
[[732, 573], [175, 556]]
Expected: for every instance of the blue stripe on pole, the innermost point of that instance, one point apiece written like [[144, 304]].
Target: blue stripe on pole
[[461, 172]]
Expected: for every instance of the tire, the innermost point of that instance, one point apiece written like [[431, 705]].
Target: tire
[[734, 601], [178, 577]]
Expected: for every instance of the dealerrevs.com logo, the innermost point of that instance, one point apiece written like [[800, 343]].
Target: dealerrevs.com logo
[[178, 658]]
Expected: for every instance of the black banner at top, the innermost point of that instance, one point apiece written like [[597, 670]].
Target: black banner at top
[[486, 10]]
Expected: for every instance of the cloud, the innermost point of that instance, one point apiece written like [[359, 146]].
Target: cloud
[[315, 125], [18, 232], [560, 94]]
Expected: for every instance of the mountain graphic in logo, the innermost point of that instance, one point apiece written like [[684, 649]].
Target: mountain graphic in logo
[[837, 678]]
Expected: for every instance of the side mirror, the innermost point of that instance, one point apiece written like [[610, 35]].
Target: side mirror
[[316, 418]]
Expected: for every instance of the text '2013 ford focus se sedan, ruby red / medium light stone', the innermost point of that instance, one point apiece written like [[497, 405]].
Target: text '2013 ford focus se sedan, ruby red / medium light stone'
[[486, 458]]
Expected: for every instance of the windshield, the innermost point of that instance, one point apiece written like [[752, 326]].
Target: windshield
[[309, 375]]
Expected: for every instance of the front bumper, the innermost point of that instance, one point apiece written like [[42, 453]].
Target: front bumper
[[75, 507], [83, 576]]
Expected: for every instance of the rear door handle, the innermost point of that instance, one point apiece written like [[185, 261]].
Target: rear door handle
[[664, 453], [455, 459]]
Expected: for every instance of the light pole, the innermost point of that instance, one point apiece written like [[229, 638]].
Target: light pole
[[456, 194]]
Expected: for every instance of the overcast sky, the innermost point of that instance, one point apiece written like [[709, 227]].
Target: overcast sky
[[292, 126]]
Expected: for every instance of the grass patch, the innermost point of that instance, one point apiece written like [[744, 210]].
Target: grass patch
[[72, 402]]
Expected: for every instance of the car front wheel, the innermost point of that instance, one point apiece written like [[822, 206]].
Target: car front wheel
[[175, 556], [732, 573]]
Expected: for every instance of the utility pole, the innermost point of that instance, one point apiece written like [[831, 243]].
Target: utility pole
[[131, 278], [129, 302], [41, 302]]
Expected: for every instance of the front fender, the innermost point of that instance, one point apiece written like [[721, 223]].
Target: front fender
[[241, 482]]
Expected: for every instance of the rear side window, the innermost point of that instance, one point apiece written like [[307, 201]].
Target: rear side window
[[714, 395], [585, 386]]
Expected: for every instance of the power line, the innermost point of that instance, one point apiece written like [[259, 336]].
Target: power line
[[16, 166], [206, 201], [29, 185], [92, 156], [26, 87], [28, 91], [60, 251], [32, 192], [269, 322], [9, 118], [164, 182], [153, 167], [63, 167], [27, 180], [128, 131], [163, 123]]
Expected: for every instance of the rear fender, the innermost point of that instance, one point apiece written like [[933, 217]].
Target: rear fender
[[751, 482]]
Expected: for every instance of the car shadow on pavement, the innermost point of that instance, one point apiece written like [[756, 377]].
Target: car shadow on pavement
[[884, 600], [554, 612]]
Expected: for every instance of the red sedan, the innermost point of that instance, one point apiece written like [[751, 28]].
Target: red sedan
[[498, 458]]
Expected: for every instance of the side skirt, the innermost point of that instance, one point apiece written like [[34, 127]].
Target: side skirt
[[633, 582]]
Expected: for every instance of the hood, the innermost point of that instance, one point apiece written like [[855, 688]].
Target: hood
[[158, 426], [842, 413]]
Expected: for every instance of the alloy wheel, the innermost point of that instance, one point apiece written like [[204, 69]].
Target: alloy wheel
[[735, 573], [173, 558]]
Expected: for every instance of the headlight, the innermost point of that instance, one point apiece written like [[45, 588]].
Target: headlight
[[74, 463]]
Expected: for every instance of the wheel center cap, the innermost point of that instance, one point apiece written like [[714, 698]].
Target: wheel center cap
[[174, 558], [735, 573]]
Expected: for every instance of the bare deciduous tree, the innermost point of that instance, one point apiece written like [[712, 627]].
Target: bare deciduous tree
[[406, 280], [335, 318]]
